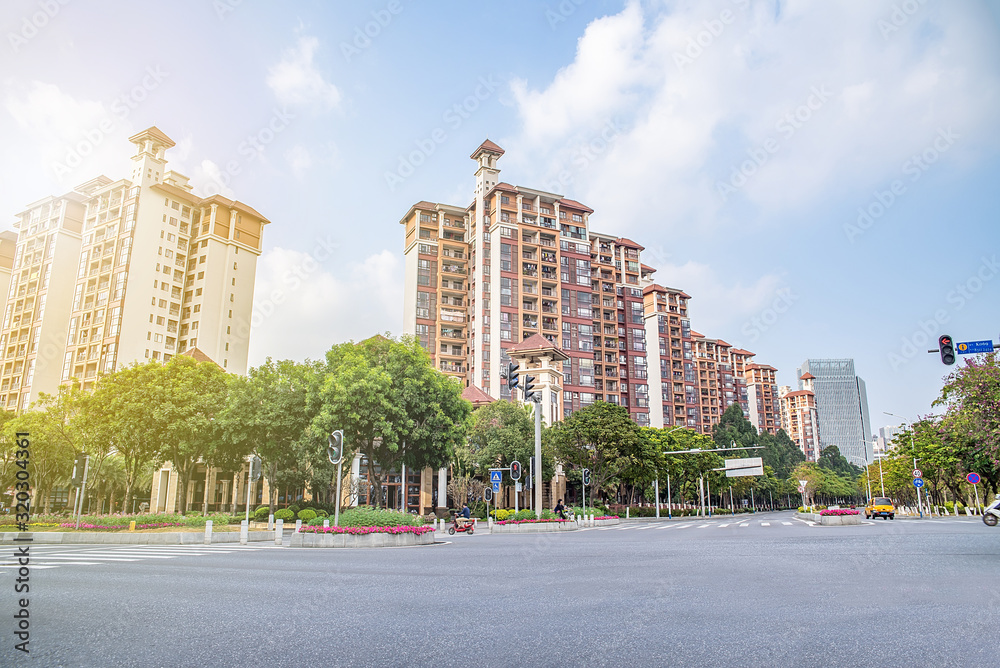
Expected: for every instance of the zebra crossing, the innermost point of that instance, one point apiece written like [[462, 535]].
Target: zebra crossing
[[54, 556], [701, 524]]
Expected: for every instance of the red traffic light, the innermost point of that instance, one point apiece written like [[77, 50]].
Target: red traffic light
[[515, 470], [947, 349]]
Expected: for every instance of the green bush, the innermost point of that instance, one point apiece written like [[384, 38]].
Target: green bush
[[285, 514], [261, 513], [318, 521], [321, 513], [367, 516], [295, 508], [218, 520], [307, 514]]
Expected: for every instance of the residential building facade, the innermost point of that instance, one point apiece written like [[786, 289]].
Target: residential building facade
[[800, 418], [519, 262], [122, 271]]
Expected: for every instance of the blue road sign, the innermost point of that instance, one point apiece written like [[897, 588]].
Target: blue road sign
[[974, 347], [496, 487], [496, 477], [918, 482]]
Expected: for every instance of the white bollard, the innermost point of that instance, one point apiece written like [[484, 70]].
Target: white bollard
[[298, 525], [208, 532], [626, 512], [279, 528], [326, 524], [270, 522], [244, 532]]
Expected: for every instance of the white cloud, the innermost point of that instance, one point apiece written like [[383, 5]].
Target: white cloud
[[701, 87], [74, 139], [719, 304], [329, 301], [299, 160], [296, 81]]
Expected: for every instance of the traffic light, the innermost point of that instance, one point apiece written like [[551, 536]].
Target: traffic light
[[512, 368], [529, 386], [254, 468], [487, 493], [586, 476], [515, 470], [946, 345], [335, 446], [79, 464]]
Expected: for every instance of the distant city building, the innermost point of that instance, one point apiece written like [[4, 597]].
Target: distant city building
[[800, 418], [116, 272], [842, 407], [883, 440]]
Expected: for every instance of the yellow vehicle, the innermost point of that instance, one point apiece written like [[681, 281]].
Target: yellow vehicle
[[880, 506]]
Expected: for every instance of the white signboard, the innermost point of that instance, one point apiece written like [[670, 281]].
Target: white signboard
[[737, 468]]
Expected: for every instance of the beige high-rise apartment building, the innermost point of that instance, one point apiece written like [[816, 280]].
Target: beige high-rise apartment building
[[799, 417], [117, 272], [762, 393]]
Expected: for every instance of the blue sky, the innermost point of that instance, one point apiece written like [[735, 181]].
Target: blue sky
[[820, 177]]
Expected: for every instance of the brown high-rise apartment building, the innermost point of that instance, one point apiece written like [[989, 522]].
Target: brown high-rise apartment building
[[518, 262]]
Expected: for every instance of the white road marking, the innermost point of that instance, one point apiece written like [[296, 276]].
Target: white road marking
[[787, 524], [765, 524], [745, 524]]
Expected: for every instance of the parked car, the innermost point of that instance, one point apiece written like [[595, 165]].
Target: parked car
[[880, 506]]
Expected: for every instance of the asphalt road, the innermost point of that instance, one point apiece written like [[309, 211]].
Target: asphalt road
[[762, 590]]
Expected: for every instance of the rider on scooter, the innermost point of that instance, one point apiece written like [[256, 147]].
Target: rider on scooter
[[465, 515]]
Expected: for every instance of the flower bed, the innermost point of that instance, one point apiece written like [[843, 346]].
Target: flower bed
[[535, 521], [119, 527], [394, 536], [844, 511], [607, 517], [364, 531]]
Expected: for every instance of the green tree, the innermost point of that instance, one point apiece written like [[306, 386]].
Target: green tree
[[971, 424], [831, 460], [733, 427], [601, 437], [781, 453], [269, 413], [393, 406]]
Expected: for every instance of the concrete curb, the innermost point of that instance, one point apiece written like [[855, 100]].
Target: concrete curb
[[99, 538], [365, 540], [539, 527]]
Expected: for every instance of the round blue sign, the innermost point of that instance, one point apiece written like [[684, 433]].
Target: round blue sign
[[918, 482], [973, 478]]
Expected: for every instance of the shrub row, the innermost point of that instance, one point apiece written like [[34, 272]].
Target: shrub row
[[367, 516]]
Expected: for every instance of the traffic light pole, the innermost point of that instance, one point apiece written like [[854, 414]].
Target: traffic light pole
[[336, 508], [538, 455], [83, 489]]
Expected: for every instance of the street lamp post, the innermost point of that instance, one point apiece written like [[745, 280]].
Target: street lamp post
[[657, 483], [913, 451]]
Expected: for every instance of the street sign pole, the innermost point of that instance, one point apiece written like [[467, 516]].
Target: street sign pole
[[83, 488], [656, 486], [336, 508], [670, 505], [978, 507]]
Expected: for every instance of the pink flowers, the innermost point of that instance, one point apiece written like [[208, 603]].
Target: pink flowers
[[119, 527], [843, 511], [607, 517], [502, 522], [363, 531]]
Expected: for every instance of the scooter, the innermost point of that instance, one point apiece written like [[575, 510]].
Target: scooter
[[468, 526], [992, 513]]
